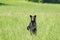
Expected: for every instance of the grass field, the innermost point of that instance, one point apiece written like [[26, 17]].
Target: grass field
[[14, 19]]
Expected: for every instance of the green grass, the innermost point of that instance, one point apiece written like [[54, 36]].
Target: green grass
[[14, 20]]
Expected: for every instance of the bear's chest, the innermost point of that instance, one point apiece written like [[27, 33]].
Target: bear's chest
[[32, 25]]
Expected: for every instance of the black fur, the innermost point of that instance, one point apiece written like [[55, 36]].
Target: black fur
[[32, 25]]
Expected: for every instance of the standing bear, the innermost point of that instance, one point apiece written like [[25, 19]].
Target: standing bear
[[32, 25]]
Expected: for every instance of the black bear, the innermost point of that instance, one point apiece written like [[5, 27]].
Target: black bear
[[32, 25]]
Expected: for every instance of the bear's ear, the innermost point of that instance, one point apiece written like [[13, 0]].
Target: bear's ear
[[34, 15], [30, 15]]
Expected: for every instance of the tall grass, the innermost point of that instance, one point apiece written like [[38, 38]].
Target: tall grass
[[14, 20]]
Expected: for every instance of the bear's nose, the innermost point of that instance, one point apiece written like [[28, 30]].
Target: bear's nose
[[32, 18]]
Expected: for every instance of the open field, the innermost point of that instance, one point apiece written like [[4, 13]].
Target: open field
[[14, 19]]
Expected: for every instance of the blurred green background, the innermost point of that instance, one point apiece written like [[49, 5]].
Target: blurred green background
[[38, 1], [14, 19]]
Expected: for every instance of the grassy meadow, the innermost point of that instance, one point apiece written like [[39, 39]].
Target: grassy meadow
[[14, 19]]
